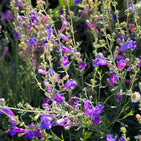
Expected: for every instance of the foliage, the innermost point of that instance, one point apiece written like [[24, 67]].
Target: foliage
[[71, 72]]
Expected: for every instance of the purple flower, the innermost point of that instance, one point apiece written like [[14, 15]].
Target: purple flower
[[32, 16], [129, 5], [61, 121], [64, 23], [110, 138], [40, 67], [121, 62], [63, 48], [48, 86], [64, 37], [119, 41], [17, 35], [32, 41], [49, 31], [93, 112], [29, 134], [10, 113], [95, 27], [139, 64], [119, 96], [100, 60], [113, 78], [89, 24], [59, 98], [64, 61], [75, 2], [68, 124], [96, 120], [7, 111], [15, 130], [42, 71], [82, 65], [46, 122], [114, 17], [121, 139], [6, 15], [120, 36], [70, 84], [73, 101], [37, 133], [12, 120], [47, 104], [128, 45], [16, 2]]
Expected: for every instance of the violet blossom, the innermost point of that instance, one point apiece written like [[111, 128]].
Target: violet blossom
[[59, 98], [100, 60], [128, 45], [6, 15], [64, 23], [15, 130], [70, 84], [32, 41], [119, 96], [37, 132], [32, 16], [121, 61], [110, 138], [82, 65], [64, 61], [29, 134], [64, 37], [139, 64], [129, 5], [49, 31], [48, 86], [46, 121], [63, 48], [113, 78], [76, 2], [93, 112]]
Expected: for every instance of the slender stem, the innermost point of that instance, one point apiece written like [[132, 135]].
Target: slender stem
[[23, 110], [119, 114]]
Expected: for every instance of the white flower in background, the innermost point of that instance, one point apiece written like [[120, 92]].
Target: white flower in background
[[135, 97]]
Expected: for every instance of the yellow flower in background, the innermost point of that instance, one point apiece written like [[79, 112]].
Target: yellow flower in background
[[135, 97]]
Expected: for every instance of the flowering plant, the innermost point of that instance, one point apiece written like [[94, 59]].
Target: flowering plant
[[84, 60]]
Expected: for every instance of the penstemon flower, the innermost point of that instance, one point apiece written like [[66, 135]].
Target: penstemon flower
[[76, 2], [82, 65], [59, 98], [32, 16], [70, 84], [15, 130], [110, 138], [64, 61], [100, 60], [119, 96], [46, 121], [121, 61], [127, 45]]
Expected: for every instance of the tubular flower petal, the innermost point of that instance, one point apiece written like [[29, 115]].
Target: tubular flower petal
[[100, 60]]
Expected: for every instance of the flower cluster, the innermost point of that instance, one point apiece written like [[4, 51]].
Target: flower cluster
[[85, 62]]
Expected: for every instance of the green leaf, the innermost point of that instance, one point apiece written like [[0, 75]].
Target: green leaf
[[129, 114], [61, 3]]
